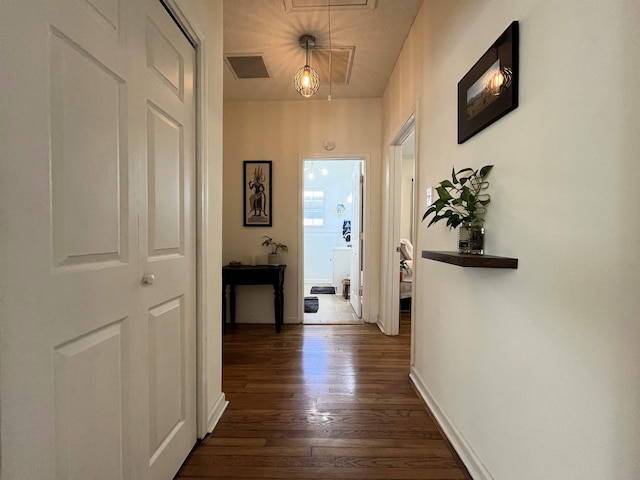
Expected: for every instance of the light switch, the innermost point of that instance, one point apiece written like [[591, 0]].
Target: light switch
[[429, 196]]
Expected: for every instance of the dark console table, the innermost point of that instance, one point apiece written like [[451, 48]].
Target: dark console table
[[253, 275]]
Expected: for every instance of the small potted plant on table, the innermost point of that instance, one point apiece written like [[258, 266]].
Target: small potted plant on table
[[274, 256], [462, 204]]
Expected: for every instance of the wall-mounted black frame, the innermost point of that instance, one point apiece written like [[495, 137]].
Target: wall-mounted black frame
[[490, 89], [257, 190]]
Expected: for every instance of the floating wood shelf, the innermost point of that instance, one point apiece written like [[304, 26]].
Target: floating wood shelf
[[484, 261]]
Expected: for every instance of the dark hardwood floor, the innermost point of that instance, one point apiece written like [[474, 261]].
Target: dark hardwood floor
[[321, 402]]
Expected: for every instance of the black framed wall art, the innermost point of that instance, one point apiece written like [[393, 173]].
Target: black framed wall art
[[257, 188], [490, 89]]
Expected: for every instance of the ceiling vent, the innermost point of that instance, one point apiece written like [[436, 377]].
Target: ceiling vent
[[247, 66], [341, 63]]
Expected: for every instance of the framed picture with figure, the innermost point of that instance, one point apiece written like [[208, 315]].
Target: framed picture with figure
[[257, 188]]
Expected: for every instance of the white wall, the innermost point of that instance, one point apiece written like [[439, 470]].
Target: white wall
[[287, 133], [534, 371]]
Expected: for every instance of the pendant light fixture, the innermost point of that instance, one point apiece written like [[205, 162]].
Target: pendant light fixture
[[306, 80], [330, 54]]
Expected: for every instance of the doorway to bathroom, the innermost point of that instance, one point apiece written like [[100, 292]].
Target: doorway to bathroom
[[332, 199]]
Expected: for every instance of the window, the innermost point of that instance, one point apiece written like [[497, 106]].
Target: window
[[313, 203]]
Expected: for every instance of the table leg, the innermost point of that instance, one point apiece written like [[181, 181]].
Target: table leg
[[224, 308], [232, 301], [278, 295]]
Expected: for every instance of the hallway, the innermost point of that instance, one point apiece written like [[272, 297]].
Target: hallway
[[321, 402]]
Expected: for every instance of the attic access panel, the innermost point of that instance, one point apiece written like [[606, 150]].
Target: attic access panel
[[340, 67]]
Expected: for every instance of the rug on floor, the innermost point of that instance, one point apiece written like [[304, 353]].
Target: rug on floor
[[318, 290], [311, 304]]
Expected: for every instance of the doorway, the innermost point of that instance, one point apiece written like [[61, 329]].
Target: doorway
[[400, 238], [332, 224], [407, 215]]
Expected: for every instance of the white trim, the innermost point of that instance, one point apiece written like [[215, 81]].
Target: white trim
[[416, 223], [202, 240], [216, 412], [469, 457], [186, 26], [203, 422]]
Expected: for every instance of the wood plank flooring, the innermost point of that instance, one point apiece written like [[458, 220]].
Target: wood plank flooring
[[318, 403]]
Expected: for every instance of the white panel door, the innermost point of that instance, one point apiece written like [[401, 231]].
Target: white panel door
[[167, 241], [92, 358]]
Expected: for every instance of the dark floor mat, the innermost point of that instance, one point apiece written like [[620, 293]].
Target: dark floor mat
[[319, 290], [311, 304]]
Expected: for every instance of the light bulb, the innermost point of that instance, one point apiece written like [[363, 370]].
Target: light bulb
[[306, 81]]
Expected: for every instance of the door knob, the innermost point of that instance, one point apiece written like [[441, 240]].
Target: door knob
[[148, 278]]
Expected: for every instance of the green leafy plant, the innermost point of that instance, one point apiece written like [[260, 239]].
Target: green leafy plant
[[460, 200], [273, 245]]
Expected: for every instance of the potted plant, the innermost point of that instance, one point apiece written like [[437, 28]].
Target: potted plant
[[462, 204], [274, 256]]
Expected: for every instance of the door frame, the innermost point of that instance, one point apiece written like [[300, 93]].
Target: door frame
[[391, 241], [367, 228], [205, 420]]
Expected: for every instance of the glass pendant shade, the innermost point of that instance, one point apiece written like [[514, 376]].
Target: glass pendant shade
[[306, 81]]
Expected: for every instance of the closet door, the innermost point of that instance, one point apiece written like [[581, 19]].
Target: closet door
[[96, 157], [167, 242]]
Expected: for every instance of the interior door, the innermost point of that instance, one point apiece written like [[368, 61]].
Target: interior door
[[97, 367], [167, 242], [355, 292]]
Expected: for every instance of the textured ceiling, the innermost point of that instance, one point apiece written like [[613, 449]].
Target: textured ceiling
[[272, 28]]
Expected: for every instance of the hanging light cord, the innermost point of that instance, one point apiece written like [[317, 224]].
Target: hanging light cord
[[330, 55]]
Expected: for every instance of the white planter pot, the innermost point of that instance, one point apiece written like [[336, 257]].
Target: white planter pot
[[274, 259]]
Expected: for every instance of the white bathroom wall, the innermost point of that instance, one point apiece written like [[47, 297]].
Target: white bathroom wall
[[319, 241]]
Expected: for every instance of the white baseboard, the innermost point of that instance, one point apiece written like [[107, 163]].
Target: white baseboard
[[216, 412], [474, 465]]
